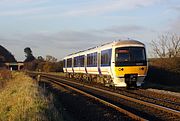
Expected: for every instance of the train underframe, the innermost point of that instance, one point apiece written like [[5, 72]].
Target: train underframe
[[92, 78], [129, 80]]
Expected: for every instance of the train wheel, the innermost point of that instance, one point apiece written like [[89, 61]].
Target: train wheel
[[71, 76], [128, 86]]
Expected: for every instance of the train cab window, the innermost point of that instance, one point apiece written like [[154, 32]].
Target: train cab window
[[138, 54], [92, 59], [106, 57], [122, 54], [69, 62], [129, 56]]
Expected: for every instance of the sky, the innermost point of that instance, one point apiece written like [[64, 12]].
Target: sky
[[61, 27]]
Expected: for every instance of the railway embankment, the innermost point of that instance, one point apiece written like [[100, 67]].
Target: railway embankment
[[164, 73], [76, 107], [82, 110], [22, 99]]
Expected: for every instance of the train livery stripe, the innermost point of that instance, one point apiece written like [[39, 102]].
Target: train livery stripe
[[88, 71], [99, 70], [140, 70]]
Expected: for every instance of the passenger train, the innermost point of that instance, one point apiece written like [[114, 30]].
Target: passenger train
[[120, 63]]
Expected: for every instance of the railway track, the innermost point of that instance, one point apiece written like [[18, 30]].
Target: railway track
[[106, 103], [142, 108], [168, 101]]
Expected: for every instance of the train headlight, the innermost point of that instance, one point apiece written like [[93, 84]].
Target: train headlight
[[121, 69], [142, 68]]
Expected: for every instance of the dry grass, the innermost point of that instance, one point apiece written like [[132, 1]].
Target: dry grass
[[23, 100], [58, 74], [5, 75]]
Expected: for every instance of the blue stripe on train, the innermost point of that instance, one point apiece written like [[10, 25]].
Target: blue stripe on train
[[99, 70]]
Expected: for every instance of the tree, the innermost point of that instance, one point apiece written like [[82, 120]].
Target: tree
[[167, 46], [50, 58], [29, 56], [40, 58], [6, 56]]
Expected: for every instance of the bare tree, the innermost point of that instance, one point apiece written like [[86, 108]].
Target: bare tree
[[50, 58], [167, 46]]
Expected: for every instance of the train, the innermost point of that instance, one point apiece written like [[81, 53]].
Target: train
[[121, 63]]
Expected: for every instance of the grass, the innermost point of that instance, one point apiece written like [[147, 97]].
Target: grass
[[5, 76], [23, 100], [58, 74]]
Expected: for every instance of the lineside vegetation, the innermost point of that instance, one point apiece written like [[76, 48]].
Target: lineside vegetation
[[23, 100], [5, 76]]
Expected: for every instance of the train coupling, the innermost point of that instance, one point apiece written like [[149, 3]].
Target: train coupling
[[131, 79]]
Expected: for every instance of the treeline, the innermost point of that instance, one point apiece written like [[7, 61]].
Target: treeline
[[168, 64], [164, 71], [165, 67], [49, 64]]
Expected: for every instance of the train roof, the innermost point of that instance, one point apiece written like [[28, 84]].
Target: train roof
[[115, 43], [126, 42]]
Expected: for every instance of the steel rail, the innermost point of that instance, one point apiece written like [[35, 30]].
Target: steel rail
[[166, 101], [175, 112], [133, 116]]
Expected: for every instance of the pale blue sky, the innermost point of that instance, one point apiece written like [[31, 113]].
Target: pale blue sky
[[60, 27]]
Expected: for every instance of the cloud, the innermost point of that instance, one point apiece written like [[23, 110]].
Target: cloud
[[62, 43], [22, 7], [57, 44], [126, 29], [21, 1], [176, 8], [87, 8], [109, 6], [174, 26], [22, 12]]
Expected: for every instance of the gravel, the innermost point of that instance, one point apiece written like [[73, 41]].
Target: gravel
[[164, 92]]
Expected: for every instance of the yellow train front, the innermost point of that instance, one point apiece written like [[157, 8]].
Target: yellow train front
[[129, 63], [120, 64]]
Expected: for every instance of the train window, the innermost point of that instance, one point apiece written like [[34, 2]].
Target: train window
[[92, 59], [81, 61], [69, 62], [76, 61], [106, 57], [64, 63]]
